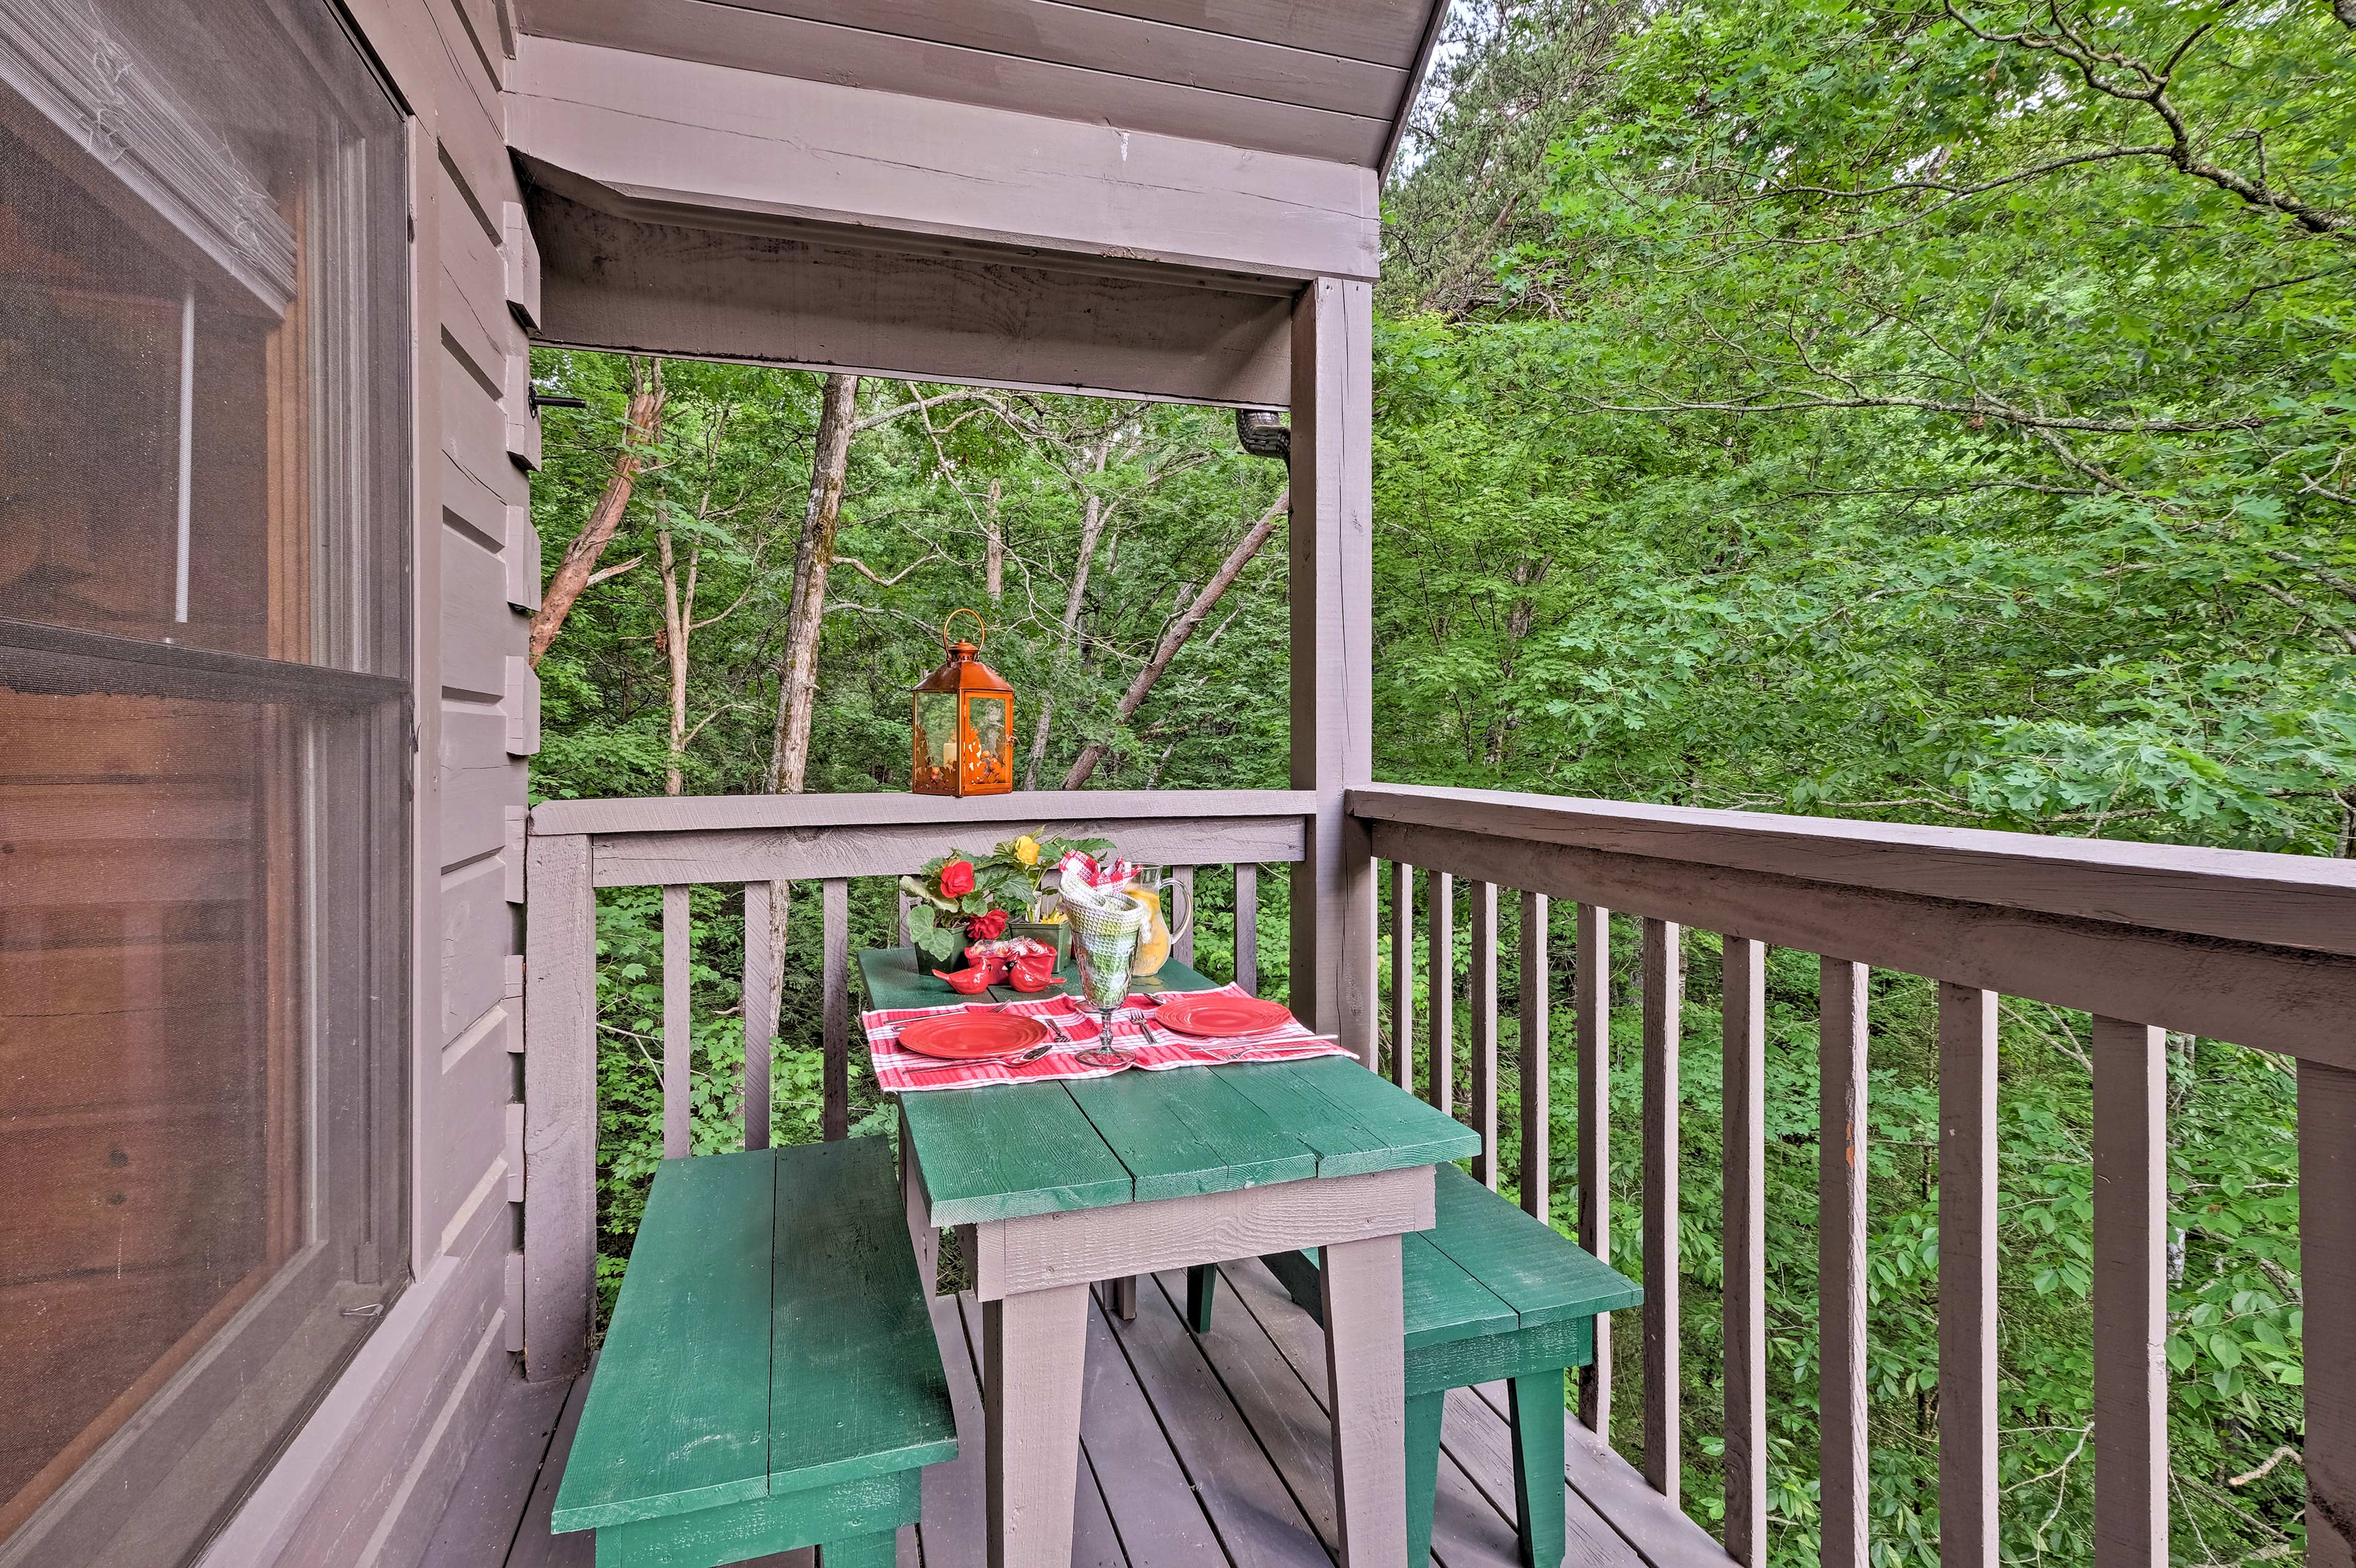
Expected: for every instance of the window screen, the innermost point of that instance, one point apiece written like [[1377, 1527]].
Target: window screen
[[203, 743]]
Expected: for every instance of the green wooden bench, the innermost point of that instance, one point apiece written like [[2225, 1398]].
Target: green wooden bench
[[1490, 1294], [770, 1378]]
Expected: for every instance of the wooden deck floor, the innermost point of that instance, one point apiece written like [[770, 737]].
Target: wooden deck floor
[[1195, 1452]]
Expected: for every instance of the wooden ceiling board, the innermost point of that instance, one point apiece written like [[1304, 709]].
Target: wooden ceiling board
[[1387, 32], [1060, 34], [1320, 79]]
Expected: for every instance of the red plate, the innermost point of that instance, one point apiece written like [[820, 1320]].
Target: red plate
[[1214, 1016], [973, 1037]]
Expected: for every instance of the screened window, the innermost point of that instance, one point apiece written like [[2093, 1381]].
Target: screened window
[[203, 744]]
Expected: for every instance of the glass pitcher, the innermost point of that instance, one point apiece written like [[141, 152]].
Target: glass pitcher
[[1153, 947]]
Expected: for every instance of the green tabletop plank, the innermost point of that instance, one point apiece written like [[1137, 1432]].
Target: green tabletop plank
[[1534, 1268], [1355, 1121], [855, 1384], [677, 1414], [1188, 1131], [1004, 1152]]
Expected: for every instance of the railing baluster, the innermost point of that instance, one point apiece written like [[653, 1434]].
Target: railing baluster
[[2326, 1253], [760, 1025], [1537, 1077], [906, 904], [1664, 998], [1403, 974], [1181, 945], [834, 898], [1439, 987], [677, 1043], [1481, 915], [1968, 1434], [1743, 1138], [1247, 928], [2130, 1295], [1840, 1259], [1591, 975]]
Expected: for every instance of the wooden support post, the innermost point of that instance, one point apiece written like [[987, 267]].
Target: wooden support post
[[1032, 1347], [2326, 1249], [1366, 1384], [1592, 1005], [1181, 941], [760, 1025], [1537, 1062], [1440, 990], [560, 1107], [1663, 981], [1247, 928], [1967, 1435], [1331, 538], [2130, 1295], [1481, 992], [1744, 1137], [679, 1038], [1846, 1480], [1403, 975], [834, 984]]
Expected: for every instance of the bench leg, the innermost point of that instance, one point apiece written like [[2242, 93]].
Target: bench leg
[[1537, 1404], [1124, 1297], [1423, 1417], [877, 1550], [1202, 1290]]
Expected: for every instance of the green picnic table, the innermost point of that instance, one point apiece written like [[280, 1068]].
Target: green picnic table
[[1057, 1185]]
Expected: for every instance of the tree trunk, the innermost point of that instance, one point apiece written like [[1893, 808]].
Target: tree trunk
[[1093, 513], [1180, 631], [642, 431], [679, 625], [993, 564], [797, 673]]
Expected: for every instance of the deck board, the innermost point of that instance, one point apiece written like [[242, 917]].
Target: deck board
[[1192, 1452]]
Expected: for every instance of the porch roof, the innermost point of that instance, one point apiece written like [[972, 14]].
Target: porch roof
[[1331, 80]]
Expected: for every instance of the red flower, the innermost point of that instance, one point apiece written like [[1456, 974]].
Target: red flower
[[956, 879], [987, 927]]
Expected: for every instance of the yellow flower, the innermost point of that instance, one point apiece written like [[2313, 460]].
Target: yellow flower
[[1026, 849]]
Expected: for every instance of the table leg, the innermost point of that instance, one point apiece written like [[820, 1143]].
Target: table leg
[[923, 1239], [1365, 1379], [1034, 1348]]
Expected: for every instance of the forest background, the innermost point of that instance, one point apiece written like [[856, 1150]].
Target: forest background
[[1916, 413]]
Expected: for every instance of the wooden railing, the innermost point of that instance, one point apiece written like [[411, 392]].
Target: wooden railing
[[753, 842], [2259, 950]]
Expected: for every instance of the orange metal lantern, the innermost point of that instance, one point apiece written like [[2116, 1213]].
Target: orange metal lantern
[[964, 722]]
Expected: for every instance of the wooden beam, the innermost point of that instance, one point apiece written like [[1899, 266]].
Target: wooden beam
[[1967, 1258], [679, 1037], [1481, 993], [560, 1129], [1664, 987], [1065, 811], [1331, 542], [2130, 1295], [2269, 998], [1846, 1475], [1592, 1005], [2289, 901], [1537, 1062], [613, 282], [1402, 974], [1743, 1139], [2326, 1249], [681, 136]]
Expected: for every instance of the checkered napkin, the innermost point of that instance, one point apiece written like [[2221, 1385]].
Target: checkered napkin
[[1140, 1041]]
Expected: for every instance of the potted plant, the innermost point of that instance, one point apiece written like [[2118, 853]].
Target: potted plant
[[960, 897]]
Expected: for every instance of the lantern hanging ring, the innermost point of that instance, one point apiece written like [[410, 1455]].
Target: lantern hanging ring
[[980, 628]]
